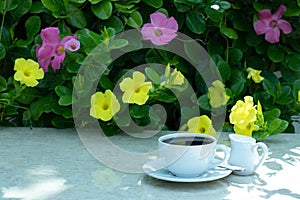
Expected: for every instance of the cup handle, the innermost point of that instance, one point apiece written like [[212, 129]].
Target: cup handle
[[224, 148], [264, 153]]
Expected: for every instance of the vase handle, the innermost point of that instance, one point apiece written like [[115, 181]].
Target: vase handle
[[264, 153]]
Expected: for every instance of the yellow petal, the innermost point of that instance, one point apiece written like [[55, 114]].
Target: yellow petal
[[126, 84]]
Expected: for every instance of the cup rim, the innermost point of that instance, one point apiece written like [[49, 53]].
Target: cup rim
[[241, 138], [185, 134]]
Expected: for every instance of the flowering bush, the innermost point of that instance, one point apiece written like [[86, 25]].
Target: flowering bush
[[254, 45]]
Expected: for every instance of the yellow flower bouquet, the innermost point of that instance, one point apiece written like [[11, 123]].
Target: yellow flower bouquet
[[250, 120]]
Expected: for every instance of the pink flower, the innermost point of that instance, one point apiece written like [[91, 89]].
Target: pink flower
[[161, 30], [52, 52], [270, 24]]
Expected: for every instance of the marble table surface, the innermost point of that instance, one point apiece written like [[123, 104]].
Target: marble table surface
[[59, 164]]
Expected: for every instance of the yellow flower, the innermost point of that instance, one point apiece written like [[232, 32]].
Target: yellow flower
[[27, 72], [104, 106], [247, 131], [176, 78], [243, 112], [135, 89], [171, 80], [217, 94], [201, 124], [255, 75]]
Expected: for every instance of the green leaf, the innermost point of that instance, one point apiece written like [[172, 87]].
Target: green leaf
[[215, 47], [66, 112], [292, 9], [95, 1], [117, 44], [3, 84], [166, 96], [277, 126], [296, 88], [2, 51], [272, 114], [65, 100], [225, 5], [214, 15], [60, 122], [10, 5], [285, 98], [224, 70], [65, 95], [203, 102], [270, 87], [63, 90], [22, 9], [28, 95], [235, 56], [181, 7], [188, 112], [88, 39], [102, 10], [238, 84], [152, 75], [135, 20], [229, 32], [137, 111], [24, 43], [36, 7], [51, 5], [76, 18], [195, 22], [275, 54], [125, 8], [32, 26], [114, 22], [253, 40], [293, 62], [106, 82], [154, 3], [78, 1], [42, 105]]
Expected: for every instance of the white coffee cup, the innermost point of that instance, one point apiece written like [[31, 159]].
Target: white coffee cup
[[186, 160]]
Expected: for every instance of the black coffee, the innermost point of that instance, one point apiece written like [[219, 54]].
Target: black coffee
[[189, 141]]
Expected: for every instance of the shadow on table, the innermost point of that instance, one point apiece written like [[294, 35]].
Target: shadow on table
[[277, 178]]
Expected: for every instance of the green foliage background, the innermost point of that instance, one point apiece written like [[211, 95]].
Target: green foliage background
[[227, 33]]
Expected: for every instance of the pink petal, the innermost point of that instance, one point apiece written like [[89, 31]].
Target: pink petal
[[279, 12], [260, 27], [157, 41], [50, 35], [265, 14], [273, 35], [284, 26], [158, 19], [72, 45], [67, 38], [44, 63], [56, 62], [172, 24], [148, 31], [37, 48], [46, 50], [167, 37]]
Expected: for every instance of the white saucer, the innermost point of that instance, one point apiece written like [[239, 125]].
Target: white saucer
[[154, 169]]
